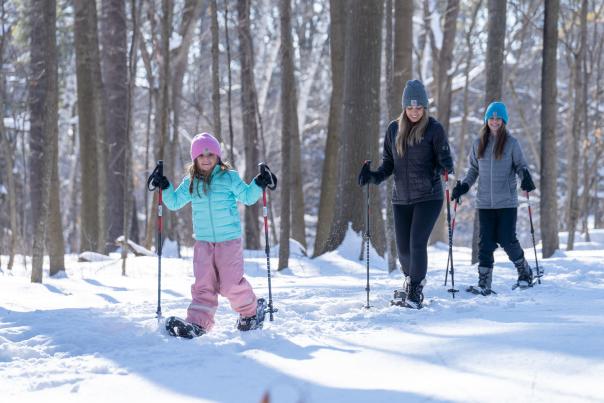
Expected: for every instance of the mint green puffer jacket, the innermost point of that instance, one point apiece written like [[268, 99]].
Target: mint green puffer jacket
[[215, 215]]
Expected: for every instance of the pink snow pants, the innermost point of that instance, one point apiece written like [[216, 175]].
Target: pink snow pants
[[218, 269]]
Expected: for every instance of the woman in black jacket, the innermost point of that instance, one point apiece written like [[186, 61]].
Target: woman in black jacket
[[416, 150]]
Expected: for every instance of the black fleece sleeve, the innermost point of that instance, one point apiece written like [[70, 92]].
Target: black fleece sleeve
[[387, 167]]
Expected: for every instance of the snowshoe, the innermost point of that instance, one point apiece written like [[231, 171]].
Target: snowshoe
[[401, 294], [178, 327], [525, 275], [256, 321], [414, 298], [485, 278]]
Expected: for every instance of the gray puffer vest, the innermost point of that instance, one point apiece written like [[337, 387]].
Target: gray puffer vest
[[496, 177]]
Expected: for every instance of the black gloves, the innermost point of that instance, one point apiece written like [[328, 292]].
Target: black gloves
[[266, 179], [460, 189], [527, 182], [368, 176], [160, 182]]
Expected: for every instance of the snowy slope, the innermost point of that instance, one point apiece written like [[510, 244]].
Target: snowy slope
[[92, 336]]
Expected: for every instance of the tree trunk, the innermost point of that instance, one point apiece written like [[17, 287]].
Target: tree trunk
[[44, 124], [250, 128], [115, 76], [289, 127], [494, 71], [443, 95], [360, 120], [329, 177], [215, 71], [90, 127], [576, 133], [549, 159], [8, 155]]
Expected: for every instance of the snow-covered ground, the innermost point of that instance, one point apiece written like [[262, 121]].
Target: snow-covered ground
[[92, 336]]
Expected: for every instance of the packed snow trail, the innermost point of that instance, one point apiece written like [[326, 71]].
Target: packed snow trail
[[92, 335]]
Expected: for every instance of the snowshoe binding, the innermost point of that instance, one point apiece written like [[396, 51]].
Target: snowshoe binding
[[485, 278], [414, 298], [525, 275], [401, 294], [178, 327], [256, 321]]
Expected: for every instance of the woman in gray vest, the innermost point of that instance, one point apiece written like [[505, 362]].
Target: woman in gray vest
[[495, 160], [417, 152]]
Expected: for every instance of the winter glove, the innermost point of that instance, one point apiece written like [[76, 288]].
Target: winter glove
[[527, 182], [460, 189], [367, 176], [266, 179], [160, 181]]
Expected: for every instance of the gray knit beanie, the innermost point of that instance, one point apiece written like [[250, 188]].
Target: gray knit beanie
[[414, 94]]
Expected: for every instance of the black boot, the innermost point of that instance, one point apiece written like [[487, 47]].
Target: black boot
[[253, 322], [415, 297], [485, 278], [525, 274]]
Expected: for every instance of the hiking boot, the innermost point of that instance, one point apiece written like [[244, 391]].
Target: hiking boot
[[415, 296], [253, 322]]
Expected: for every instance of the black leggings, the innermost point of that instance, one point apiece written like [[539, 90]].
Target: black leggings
[[498, 226], [413, 224]]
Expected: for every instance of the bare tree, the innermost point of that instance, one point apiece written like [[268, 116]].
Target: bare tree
[[215, 71], [8, 153], [494, 80], [576, 133], [549, 169], [113, 39], [250, 128], [360, 120], [289, 127], [43, 102], [329, 175], [442, 61], [91, 127]]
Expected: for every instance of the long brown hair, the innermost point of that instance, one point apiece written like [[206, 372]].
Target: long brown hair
[[410, 133], [501, 138], [195, 172]]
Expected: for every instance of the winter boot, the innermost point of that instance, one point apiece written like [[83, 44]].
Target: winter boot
[[253, 322], [485, 278], [415, 297], [525, 274]]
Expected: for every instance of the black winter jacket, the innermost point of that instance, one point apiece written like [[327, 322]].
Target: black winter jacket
[[417, 173]]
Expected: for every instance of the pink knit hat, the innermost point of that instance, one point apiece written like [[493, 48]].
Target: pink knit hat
[[204, 143]]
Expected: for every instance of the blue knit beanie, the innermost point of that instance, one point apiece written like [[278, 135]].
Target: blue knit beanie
[[496, 110], [414, 94]]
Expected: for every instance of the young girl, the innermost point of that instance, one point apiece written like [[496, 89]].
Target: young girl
[[495, 160], [213, 190], [417, 151]]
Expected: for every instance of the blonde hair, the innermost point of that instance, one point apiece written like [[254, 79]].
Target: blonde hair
[[194, 172], [409, 133]]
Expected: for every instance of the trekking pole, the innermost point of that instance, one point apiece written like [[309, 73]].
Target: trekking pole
[[158, 172], [452, 233], [367, 238], [452, 290], [539, 275], [272, 186]]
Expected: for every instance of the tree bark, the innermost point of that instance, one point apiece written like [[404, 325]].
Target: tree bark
[[91, 126], [443, 94], [549, 160], [43, 126], [113, 36], [250, 128], [289, 127], [215, 71], [577, 130], [329, 176], [494, 71], [360, 120]]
